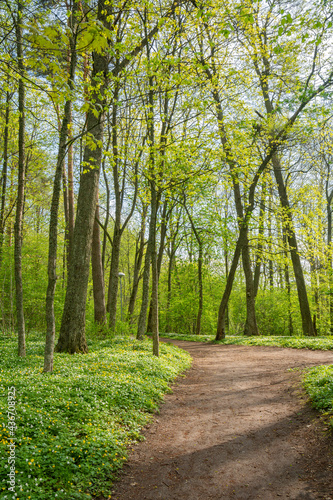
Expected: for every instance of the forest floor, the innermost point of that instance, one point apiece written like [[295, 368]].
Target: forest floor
[[238, 426]]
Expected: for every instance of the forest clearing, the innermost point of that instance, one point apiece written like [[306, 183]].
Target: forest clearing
[[165, 170]]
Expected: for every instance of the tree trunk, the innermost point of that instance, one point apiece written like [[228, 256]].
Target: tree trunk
[[152, 243], [270, 260], [307, 323], [151, 250], [251, 327], [145, 293], [170, 268], [113, 279], [151, 247], [106, 222], [200, 306], [227, 318], [4, 173], [68, 190], [97, 274], [220, 332], [53, 226], [66, 214], [257, 269], [315, 291], [72, 332], [70, 185], [137, 265], [329, 250], [117, 232], [287, 280], [159, 259], [53, 244], [119, 188], [197, 328], [20, 187]]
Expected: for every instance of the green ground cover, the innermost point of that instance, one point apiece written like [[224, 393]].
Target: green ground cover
[[315, 343], [318, 383], [74, 427]]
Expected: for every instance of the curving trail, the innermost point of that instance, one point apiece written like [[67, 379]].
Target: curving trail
[[236, 427]]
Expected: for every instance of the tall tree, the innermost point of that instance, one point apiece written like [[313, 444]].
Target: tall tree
[[72, 332], [198, 237], [53, 227], [98, 274], [18, 228], [4, 171]]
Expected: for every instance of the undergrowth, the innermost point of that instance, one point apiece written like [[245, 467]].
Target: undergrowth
[[318, 383], [314, 343], [74, 427]]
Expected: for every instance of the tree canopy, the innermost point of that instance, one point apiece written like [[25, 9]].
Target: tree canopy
[[166, 166]]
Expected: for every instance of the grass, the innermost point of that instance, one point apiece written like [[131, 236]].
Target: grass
[[318, 383], [75, 426], [314, 343]]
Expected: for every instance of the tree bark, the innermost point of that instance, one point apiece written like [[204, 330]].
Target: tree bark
[[72, 332], [114, 278], [307, 323], [70, 185], [137, 264], [287, 280], [106, 222], [200, 282], [251, 327], [154, 294], [97, 274], [119, 189], [257, 269], [159, 258], [227, 317], [117, 232], [270, 260], [329, 197], [4, 173], [20, 187], [170, 268], [220, 331], [66, 214], [53, 226], [145, 293], [150, 258]]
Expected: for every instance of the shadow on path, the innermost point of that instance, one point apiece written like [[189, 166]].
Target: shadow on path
[[236, 427]]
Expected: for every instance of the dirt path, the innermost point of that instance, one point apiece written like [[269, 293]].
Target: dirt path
[[237, 427]]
